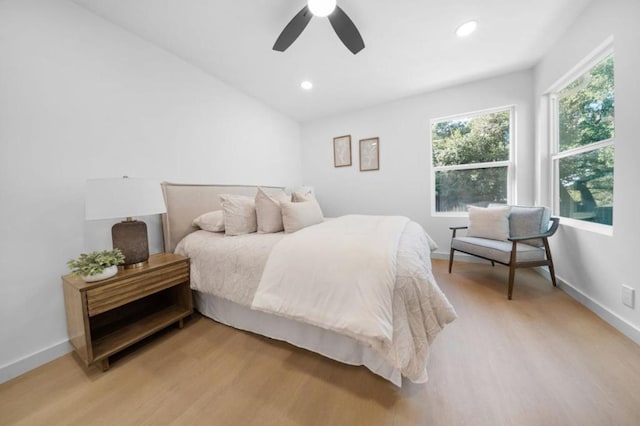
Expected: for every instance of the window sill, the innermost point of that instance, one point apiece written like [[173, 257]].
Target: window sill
[[449, 214], [587, 226]]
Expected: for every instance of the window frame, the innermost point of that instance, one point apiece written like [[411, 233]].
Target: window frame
[[509, 163], [599, 54]]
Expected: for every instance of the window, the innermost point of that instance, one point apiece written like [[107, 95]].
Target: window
[[583, 142], [471, 160]]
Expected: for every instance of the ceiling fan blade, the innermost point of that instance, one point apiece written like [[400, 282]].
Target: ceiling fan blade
[[346, 30], [293, 30]]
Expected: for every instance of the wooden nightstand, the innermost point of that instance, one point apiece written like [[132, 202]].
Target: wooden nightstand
[[107, 316]]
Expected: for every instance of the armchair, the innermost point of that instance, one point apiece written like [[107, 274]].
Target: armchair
[[514, 236]]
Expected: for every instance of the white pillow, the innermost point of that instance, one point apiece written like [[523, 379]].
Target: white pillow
[[491, 223], [239, 214], [301, 197], [268, 212], [296, 216], [210, 221], [303, 189]]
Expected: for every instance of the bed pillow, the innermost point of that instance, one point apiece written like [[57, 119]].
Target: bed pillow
[[210, 221], [239, 214], [302, 189], [302, 196], [268, 212], [491, 223], [296, 216]]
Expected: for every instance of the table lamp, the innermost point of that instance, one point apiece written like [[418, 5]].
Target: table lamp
[[125, 198]]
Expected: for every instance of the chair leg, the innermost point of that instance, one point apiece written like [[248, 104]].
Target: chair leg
[[552, 270], [512, 273], [512, 267], [451, 259]]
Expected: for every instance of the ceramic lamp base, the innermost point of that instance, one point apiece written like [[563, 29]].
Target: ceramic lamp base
[[131, 238]]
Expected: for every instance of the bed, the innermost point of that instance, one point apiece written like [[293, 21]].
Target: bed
[[228, 275]]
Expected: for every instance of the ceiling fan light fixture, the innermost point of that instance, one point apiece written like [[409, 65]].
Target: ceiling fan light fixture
[[306, 85], [341, 23], [322, 8], [466, 29]]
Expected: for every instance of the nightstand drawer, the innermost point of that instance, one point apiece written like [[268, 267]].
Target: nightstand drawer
[[121, 292]]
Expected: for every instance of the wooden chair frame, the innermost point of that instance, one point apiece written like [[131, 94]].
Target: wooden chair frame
[[513, 264]]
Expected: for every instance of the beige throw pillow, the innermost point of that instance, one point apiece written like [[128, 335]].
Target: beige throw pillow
[[210, 221], [296, 216], [301, 197], [239, 214], [491, 223], [268, 212]]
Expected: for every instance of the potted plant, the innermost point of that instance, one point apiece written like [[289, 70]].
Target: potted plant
[[97, 265]]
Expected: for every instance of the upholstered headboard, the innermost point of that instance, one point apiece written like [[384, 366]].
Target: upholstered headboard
[[185, 202]]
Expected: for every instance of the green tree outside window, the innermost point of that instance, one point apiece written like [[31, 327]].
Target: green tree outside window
[[471, 160], [585, 152]]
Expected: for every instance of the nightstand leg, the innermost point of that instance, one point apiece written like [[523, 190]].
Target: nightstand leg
[[105, 364], [181, 323]]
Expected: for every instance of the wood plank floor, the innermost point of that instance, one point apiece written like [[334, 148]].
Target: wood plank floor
[[540, 359]]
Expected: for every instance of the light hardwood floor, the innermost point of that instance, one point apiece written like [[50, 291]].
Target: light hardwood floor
[[540, 359]]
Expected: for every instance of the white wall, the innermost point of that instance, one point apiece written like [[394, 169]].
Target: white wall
[[593, 264], [81, 98], [402, 185]]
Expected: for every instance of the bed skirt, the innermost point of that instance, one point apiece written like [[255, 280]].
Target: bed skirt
[[324, 342]]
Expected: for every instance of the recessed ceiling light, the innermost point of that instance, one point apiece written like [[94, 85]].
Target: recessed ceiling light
[[306, 85], [466, 28], [322, 8]]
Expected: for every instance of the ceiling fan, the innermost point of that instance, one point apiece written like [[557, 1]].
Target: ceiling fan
[[341, 23]]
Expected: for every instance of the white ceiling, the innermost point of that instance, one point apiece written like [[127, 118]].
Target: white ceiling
[[410, 48]]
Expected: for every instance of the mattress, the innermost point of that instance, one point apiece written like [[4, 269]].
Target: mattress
[[226, 272]]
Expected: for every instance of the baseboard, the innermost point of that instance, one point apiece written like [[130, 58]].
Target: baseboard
[[613, 319], [36, 359]]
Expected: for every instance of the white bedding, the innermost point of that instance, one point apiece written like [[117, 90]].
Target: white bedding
[[231, 268], [338, 275], [228, 267]]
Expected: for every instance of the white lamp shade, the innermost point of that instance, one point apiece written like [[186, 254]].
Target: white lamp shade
[[123, 197]]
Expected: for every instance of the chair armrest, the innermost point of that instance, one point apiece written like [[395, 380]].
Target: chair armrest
[[528, 237], [455, 229], [554, 227]]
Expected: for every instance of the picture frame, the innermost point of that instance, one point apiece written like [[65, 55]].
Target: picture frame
[[369, 154], [342, 151]]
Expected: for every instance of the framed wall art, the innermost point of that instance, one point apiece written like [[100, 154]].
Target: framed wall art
[[369, 154], [342, 151]]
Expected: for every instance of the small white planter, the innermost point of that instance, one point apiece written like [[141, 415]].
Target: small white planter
[[106, 273]]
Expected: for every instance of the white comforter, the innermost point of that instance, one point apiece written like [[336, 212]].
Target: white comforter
[[232, 267], [338, 275]]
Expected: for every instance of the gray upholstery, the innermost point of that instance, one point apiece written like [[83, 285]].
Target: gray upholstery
[[523, 222], [499, 251]]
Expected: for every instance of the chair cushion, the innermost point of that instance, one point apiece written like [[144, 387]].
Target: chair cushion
[[525, 221], [490, 222], [497, 250]]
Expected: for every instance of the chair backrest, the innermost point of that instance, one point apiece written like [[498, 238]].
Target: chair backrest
[[524, 220]]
